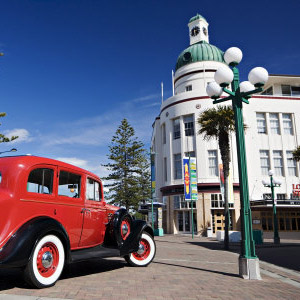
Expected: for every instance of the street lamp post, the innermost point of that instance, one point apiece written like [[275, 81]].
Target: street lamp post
[[273, 183], [11, 150], [239, 93]]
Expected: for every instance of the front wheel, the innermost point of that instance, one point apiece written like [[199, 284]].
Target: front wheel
[[145, 254], [46, 262]]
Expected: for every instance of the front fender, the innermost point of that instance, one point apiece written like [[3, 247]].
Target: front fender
[[131, 244], [17, 251]]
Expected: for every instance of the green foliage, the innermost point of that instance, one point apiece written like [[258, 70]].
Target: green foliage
[[129, 180], [296, 154], [218, 123], [3, 138]]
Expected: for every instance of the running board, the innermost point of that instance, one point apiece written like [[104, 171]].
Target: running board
[[95, 252]]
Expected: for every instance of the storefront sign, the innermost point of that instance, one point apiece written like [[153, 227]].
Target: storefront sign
[[296, 190]]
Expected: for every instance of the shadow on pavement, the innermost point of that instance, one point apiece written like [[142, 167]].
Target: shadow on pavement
[[11, 278], [285, 255], [197, 269], [89, 267]]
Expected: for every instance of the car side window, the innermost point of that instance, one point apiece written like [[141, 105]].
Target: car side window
[[92, 190], [40, 181], [69, 184]]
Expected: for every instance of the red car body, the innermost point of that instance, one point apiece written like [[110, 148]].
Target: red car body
[[54, 213]]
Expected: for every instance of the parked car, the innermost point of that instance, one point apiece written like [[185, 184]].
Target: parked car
[[53, 213]]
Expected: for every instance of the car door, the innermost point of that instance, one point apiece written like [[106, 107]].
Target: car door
[[94, 211]]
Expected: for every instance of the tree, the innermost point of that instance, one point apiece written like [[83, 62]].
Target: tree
[[3, 138], [129, 180], [296, 154], [218, 123]]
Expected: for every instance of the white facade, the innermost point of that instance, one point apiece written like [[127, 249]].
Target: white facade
[[273, 131]]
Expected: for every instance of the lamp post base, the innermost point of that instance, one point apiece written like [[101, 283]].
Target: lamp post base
[[249, 268], [276, 240]]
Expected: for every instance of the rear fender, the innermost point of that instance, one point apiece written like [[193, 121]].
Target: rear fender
[[17, 251]]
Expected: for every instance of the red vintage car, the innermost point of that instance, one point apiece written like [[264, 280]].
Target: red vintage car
[[53, 213]]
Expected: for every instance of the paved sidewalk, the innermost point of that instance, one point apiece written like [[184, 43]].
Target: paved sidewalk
[[183, 269]]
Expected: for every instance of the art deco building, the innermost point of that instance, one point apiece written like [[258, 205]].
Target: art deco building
[[273, 132]]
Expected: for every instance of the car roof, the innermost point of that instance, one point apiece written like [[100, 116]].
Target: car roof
[[31, 160]]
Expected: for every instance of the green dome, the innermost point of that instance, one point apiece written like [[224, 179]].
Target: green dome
[[197, 17], [201, 51]]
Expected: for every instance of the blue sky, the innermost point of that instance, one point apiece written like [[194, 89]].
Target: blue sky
[[74, 68]]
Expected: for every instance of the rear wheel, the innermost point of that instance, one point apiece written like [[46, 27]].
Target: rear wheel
[[145, 254], [46, 262]]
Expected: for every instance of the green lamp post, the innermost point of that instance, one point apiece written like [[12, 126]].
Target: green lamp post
[[239, 94], [272, 184]]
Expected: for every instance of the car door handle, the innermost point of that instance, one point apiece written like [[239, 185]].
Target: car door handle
[[83, 210]]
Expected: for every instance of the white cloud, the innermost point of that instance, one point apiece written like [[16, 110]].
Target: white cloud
[[23, 135], [146, 98], [81, 163]]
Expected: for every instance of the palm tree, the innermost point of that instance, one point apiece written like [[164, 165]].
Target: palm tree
[[218, 123], [296, 154]]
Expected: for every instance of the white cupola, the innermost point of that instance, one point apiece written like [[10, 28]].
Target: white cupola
[[198, 30]]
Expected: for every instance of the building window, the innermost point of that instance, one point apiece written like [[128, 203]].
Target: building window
[[291, 164], [287, 124], [188, 88], [177, 166], [268, 91], [267, 196], [278, 164], [264, 162], [163, 132], [288, 90], [165, 169], [213, 163], [274, 123], [176, 128], [190, 154], [188, 125], [261, 122], [281, 196]]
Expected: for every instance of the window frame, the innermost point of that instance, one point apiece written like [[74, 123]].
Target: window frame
[[189, 125], [264, 169], [54, 188], [210, 167], [176, 129], [176, 164], [264, 120], [74, 172]]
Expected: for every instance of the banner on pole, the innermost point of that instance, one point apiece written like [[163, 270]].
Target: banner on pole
[[193, 178], [190, 179], [187, 183], [230, 184]]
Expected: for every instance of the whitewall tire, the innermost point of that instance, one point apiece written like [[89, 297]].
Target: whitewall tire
[[46, 262], [145, 254]]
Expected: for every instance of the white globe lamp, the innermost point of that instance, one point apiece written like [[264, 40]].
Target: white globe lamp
[[258, 76], [213, 90], [223, 76], [246, 86], [233, 56], [271, 173]]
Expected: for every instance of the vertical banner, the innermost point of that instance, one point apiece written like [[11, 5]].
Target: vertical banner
[[159, 213], [186, 172], [193, 178], [153, 176]]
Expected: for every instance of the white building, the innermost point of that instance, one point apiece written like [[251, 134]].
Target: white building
[[273, 120]]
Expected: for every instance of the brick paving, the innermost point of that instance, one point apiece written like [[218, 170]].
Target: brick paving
[[183, 269]]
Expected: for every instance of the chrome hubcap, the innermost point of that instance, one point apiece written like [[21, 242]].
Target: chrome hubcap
[[47, 260], [141, 249], [124, 229]]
